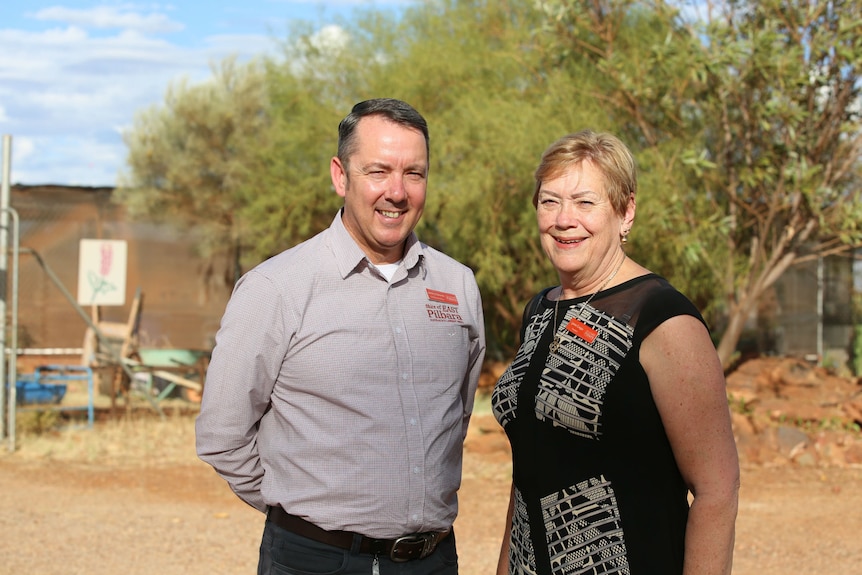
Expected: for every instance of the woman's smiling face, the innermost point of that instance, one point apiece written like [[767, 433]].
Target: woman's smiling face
[[578, 227]]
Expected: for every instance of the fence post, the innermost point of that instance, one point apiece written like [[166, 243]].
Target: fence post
[[5, 387]]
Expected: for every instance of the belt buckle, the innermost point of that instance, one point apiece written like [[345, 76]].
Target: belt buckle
[[425, 539]]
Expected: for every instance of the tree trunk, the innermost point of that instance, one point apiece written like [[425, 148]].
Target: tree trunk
[[730, 337]]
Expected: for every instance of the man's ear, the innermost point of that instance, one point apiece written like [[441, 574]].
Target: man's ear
[[338, 173]]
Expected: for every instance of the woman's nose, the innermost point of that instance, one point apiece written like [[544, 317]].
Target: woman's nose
[[567, 215]]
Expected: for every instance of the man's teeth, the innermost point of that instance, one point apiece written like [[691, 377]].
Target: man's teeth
[[390, 214]]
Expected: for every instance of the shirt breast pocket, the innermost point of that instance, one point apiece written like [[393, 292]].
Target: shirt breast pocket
[[443, 357]]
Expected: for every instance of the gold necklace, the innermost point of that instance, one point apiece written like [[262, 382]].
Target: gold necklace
[[555, 345]]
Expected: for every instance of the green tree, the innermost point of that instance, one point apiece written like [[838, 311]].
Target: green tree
[[781, 143], [627, 63], [189, 161], [754, 107], [744, 119], [468, 66], [473, 70], [288, 194]]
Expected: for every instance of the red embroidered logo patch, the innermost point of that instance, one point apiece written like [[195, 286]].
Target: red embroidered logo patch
[[441, 296]]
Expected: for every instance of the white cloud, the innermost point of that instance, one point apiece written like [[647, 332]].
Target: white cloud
[[66, 77], [78, 160], [64, 94], [330, 38], [72, 85], [22, 147], [110, 17]]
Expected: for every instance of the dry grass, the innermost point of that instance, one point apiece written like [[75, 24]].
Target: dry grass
[[140, 438]]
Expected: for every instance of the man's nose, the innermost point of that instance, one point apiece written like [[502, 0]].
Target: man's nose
[[396, 191]]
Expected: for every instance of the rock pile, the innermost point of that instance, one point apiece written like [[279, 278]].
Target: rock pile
[[786, 410]]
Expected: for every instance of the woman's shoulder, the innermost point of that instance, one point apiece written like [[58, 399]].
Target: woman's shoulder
[[644, 301], [657, 300]]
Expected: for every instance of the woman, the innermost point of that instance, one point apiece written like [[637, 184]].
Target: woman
[[615, 403]]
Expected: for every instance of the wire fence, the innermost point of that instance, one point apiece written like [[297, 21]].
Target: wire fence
[[807, 312], [179, 309]]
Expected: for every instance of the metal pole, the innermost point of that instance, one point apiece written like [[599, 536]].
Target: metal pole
[[13, 356], [820, 311], [4, 245]]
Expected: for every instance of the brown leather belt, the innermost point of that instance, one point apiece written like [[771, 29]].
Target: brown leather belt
[[406, 548]]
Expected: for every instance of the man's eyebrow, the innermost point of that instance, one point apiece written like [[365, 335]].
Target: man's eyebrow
[[421, 167], [374, 164]]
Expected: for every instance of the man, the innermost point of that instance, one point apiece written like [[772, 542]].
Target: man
[[342, 380]]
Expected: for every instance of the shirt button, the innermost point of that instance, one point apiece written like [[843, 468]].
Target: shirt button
[[415, 470], [412, 421], [415, 517], [404, 376], [397, 330]]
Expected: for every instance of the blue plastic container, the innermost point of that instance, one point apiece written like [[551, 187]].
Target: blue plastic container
[[29, 391]]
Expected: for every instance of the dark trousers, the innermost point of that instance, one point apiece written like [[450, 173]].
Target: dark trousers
[[285, 553]]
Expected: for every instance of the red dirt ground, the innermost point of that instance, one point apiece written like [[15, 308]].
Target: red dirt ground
[[133, 498]]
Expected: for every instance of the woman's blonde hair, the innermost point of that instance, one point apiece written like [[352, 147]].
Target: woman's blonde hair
[[605, 152]]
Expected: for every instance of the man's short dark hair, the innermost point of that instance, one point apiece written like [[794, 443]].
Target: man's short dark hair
[[395, 110]]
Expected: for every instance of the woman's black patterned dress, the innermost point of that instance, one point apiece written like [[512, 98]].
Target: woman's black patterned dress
[[597, 489]]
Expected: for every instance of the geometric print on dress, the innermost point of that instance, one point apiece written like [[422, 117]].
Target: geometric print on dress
[[522, 559], [575, 378], [583, 531], [505, 394]]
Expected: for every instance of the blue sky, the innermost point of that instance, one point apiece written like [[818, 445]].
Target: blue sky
[[73, 73]]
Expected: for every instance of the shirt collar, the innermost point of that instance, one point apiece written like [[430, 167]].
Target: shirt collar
[[349, 256]]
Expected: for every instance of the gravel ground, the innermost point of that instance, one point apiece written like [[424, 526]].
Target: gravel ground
[[131, 497]]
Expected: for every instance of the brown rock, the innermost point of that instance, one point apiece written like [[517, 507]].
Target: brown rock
[[789, 440], [853, 454]]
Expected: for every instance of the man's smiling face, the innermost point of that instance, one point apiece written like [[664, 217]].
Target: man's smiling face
[[383, 186]]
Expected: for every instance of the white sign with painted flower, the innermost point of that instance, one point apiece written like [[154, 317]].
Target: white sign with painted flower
[[102, 272]]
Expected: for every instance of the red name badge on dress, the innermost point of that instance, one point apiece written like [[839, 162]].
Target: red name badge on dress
[[582, 330]]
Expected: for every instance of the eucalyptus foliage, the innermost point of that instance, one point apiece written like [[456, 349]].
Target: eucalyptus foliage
[[743, 115], [745, 119], [189, 160], [778, 108]]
